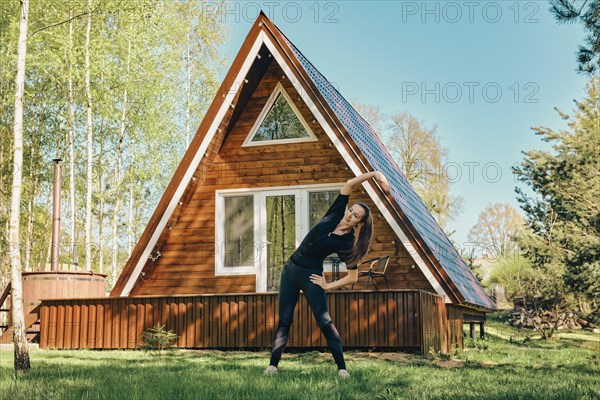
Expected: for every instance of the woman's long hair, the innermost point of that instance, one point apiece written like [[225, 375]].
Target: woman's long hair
[[361, 247]]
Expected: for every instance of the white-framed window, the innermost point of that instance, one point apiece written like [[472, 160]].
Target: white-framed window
[[237, 221], [258, 229], [280, 121]]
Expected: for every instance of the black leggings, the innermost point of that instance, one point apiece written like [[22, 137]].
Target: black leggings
[[293, 279]]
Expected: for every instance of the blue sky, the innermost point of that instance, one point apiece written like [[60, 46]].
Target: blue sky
[[484, 72]]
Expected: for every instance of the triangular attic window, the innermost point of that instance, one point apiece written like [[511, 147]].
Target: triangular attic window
[[280, 121]]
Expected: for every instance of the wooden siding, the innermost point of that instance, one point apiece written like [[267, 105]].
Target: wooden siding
[[433, 323], [188, 245], [394, 319], [455, 326]]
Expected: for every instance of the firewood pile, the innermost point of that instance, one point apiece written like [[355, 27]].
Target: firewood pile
[[546, 319]]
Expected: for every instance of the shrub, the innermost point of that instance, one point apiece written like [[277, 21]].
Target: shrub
[[157, 338], [475, 344]]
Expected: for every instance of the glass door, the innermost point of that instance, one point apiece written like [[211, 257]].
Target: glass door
[[281, 224], [281, 235]]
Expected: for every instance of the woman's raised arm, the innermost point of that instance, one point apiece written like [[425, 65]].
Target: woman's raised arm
[[352, 183]]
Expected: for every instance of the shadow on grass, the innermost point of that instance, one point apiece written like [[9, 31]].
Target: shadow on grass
[[531, 394], [210, 374], [183, 375], [527, 338]]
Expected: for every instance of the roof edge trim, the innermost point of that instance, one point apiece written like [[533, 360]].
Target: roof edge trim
[[230, 94], [356, 170]]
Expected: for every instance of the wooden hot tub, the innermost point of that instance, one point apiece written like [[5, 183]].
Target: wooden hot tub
[[61, 284]]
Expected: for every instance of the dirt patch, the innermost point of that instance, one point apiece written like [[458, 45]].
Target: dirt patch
[[405, 358], [325, 356]]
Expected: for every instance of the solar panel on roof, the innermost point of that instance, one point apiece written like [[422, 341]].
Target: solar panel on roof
[[401, 190]]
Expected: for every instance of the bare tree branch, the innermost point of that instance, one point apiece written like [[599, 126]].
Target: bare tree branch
[[63, 22], [70, 19]]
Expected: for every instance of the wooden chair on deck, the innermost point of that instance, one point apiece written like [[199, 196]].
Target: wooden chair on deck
[[376, 269]]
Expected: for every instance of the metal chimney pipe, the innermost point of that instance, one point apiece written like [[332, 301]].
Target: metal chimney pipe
[[55, 250]]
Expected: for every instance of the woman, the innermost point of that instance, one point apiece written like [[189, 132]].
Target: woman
[[304, 269]]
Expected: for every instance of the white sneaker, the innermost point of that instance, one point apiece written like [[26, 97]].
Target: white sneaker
[[343, 373], [270, 370]]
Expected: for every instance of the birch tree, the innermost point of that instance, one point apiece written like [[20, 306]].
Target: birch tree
[[71, 134], [90, 145], [21, 359], [9, 23], [77, 58]]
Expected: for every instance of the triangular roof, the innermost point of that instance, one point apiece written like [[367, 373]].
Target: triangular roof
[[359, 145]]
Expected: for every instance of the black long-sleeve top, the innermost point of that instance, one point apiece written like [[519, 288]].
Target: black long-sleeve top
[[321, 242]]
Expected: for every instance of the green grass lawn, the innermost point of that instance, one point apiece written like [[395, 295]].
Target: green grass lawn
[[504, 365]]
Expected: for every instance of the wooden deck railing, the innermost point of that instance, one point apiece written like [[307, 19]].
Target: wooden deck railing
[[394, 319]]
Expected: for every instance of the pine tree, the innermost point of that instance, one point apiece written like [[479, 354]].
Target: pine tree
[[564, 217], [588, 13]]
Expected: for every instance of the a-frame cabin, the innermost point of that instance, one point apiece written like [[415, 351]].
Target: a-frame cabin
[[274, 148]]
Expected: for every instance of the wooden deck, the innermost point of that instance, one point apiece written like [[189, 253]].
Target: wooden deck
[[408, 320]]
